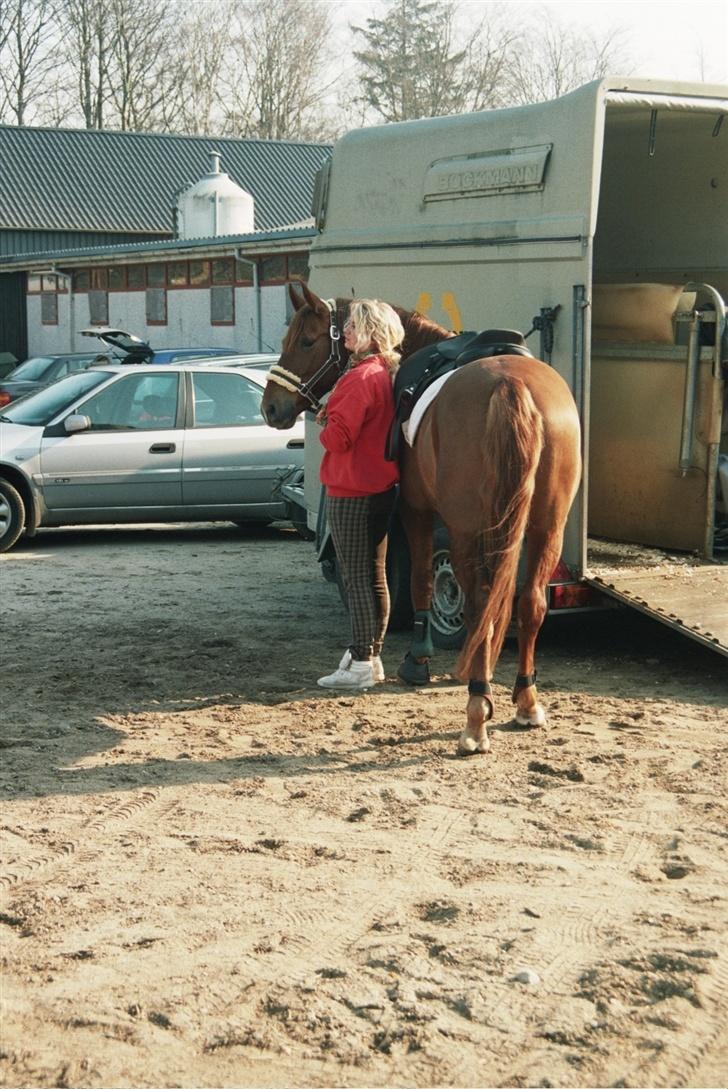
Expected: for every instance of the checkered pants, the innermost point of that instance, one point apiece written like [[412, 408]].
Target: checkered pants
[[359, 530]]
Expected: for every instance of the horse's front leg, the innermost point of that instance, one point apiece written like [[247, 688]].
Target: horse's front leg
[[415, 667]]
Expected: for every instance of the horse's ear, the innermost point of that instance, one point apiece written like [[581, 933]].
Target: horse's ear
[[313, 301], [297, 300]]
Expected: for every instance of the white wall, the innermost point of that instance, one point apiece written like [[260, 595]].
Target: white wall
[[188, 321]]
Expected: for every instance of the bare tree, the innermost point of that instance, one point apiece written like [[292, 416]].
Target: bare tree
[[89, 36], [28, 33], [555, 59], [193, 100], [138, 73], [280, 80]]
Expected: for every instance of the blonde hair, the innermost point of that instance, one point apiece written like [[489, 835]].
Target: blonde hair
[[378, 329]]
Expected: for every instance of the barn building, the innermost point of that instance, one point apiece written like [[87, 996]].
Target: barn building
[[181, 240]]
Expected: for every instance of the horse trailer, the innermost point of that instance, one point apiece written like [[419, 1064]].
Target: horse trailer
[[597, 223]]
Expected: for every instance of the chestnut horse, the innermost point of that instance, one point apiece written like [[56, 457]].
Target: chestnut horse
[[497, 457]]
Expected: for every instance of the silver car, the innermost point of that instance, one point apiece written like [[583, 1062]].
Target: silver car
[[180, 442]]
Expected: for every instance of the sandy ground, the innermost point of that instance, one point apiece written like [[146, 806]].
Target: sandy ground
[[216, 874]]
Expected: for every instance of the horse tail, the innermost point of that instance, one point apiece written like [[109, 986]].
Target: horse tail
[[512, 440]]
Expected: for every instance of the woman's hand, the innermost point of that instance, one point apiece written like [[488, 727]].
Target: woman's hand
[[321, 417]]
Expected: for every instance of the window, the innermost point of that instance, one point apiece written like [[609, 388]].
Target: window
[[34, 284], [156, 275], [139, 402], [49, 308], [81, 280], [156, 306], [223, 270], [298, 266], [99, 279], [225, 400], [243, 272], [273, 270], [222, 305], [117, 278], [177, 274], [199, 273], [98, 307], [135, 278]]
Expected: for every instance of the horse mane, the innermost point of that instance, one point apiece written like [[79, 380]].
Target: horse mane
[[419, 331]]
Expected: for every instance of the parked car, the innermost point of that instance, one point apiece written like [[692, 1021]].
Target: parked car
[[259, 361], [8, 363], [111, 444], [40, 370], [132, 349]]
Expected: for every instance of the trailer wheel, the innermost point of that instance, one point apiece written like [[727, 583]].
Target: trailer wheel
[[448, 601], [12, 515]]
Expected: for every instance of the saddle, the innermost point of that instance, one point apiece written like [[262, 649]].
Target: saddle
[[422, 368]]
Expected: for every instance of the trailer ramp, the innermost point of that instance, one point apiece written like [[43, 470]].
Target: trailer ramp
[[687, 595]]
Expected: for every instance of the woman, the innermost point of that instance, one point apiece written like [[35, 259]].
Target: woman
[[361, 483]]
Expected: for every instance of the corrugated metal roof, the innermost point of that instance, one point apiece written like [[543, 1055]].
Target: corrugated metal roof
[[89, 180], [255, 242]]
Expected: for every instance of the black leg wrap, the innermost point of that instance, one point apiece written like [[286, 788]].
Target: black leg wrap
[[413, 672], [482, 688], [421, 646], [523, 680], [479, 688]]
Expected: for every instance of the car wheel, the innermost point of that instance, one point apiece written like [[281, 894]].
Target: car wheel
[[12, 515], [448, 601]]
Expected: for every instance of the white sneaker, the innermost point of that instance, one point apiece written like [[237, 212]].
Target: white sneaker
[[357, 675], [376, 665]]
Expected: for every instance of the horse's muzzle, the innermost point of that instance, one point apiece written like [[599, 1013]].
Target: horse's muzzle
[[279, 415]]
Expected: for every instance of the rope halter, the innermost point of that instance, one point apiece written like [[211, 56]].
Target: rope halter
[[294, 384]]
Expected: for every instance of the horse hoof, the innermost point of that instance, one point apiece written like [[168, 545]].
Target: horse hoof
[[536, 717], [413, 672], [470, 746]]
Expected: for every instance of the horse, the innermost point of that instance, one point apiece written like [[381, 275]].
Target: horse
[[497, 457]]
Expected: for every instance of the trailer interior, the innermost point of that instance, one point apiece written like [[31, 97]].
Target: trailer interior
[[658, 422]]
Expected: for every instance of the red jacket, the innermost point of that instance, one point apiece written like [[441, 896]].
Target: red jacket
[[359, 414]]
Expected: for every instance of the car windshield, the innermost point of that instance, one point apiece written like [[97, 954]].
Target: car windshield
[[33, 369], [38, 409]]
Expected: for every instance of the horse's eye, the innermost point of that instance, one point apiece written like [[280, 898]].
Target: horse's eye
[[306, 343]]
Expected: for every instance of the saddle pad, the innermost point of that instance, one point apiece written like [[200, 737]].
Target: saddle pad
[[409, 427]]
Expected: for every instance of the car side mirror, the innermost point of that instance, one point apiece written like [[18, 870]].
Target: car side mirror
[[76, 422]]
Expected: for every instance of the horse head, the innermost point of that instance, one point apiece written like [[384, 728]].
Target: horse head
[[312, 358]]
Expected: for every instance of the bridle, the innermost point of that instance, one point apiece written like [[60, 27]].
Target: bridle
[[290, 381]]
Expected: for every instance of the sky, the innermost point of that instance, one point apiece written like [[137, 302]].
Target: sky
[[668, 39], [673, 39]]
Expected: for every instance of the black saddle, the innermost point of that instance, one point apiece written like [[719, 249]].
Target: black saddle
[[422, 368]]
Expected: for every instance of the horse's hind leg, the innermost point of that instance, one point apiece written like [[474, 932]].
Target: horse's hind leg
[[474, 738], [543, 549]]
